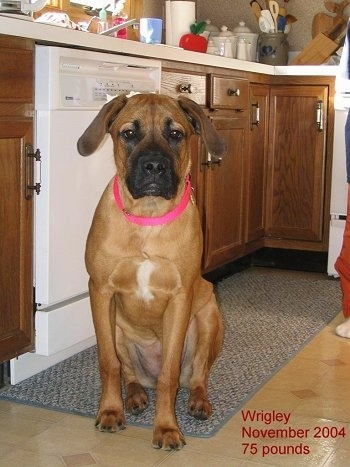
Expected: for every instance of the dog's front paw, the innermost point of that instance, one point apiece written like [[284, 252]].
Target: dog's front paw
[[110, 421], [168, 438], [199, 407]]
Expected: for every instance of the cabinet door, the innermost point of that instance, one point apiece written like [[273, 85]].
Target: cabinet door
[[224, 196], [257, 160], [16, 282], [296, 169], [16, 205], [197, 174]]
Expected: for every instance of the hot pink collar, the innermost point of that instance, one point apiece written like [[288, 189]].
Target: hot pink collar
[[149, 221]]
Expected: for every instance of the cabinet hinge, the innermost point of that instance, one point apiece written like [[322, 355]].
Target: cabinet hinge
[[32, 161], [36, 305]]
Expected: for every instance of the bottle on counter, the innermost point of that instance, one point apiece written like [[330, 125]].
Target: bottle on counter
[[119, 16], [102, 24]]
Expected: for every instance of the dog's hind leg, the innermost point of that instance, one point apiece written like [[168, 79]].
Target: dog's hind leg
[[136, 399], [209, 341], [110, 416]]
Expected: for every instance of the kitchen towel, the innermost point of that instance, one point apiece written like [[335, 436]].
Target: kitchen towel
[[179, 15]]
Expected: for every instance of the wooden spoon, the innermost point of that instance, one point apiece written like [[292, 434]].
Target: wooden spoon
[[283, 11], [290, 19], [274, 9], [256, 8]]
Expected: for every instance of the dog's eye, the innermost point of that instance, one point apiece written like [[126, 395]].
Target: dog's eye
[[176, 134], [129, 134]]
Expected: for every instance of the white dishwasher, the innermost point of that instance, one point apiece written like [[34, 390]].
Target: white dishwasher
[[70, 87]]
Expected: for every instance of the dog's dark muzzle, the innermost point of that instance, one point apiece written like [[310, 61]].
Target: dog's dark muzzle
[[152, 174]]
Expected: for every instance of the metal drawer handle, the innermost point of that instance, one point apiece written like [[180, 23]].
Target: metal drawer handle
[[257, 114], [212, 161], [233, 92], [186, 88], [319, 116]]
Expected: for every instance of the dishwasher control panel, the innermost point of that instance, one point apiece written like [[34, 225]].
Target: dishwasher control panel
[[110, 87], [76, 79], [88, 91]]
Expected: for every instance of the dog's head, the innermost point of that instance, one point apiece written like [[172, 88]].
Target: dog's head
[[151, 137]]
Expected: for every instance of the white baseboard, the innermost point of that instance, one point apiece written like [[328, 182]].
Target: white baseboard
[[58, 328], [30, 364], [59, 333]]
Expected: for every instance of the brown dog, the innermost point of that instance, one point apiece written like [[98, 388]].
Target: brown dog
[[156, 319]]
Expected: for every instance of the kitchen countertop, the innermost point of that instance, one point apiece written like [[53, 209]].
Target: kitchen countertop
[[55, 35]]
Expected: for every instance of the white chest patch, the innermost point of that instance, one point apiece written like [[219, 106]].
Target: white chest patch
[[143, 276]]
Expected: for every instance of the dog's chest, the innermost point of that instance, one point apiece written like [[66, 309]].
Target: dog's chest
[[145, 282]]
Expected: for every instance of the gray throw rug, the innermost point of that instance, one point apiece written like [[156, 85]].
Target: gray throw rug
[[268, 318]]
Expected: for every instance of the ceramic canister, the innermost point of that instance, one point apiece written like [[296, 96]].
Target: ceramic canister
[[242, 33], [273, 48]]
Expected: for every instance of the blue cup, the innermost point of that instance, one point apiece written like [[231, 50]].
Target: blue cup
[[151, 30]]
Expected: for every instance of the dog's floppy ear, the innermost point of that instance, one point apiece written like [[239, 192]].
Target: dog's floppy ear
[[202, 126], [95, 132]]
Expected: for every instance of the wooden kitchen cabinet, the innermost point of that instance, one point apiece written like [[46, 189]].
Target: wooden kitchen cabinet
[[272, 189], [295, 197], [256, 166], [224, 196], [16, 204], [194, 86], [219, 184], [224, 181]]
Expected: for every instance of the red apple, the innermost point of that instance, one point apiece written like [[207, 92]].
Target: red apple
[[193, 42]]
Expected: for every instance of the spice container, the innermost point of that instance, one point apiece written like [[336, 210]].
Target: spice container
[[246, 42]]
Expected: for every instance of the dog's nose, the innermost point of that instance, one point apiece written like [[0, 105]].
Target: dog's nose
[[154, 167]]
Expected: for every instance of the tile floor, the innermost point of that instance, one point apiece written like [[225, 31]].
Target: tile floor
[[309, 399]]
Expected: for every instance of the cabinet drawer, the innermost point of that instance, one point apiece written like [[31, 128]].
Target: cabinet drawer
[[184, 84], [229, 93]]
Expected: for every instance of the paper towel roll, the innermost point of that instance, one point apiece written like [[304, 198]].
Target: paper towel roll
[[179, 16], [168, 31]]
